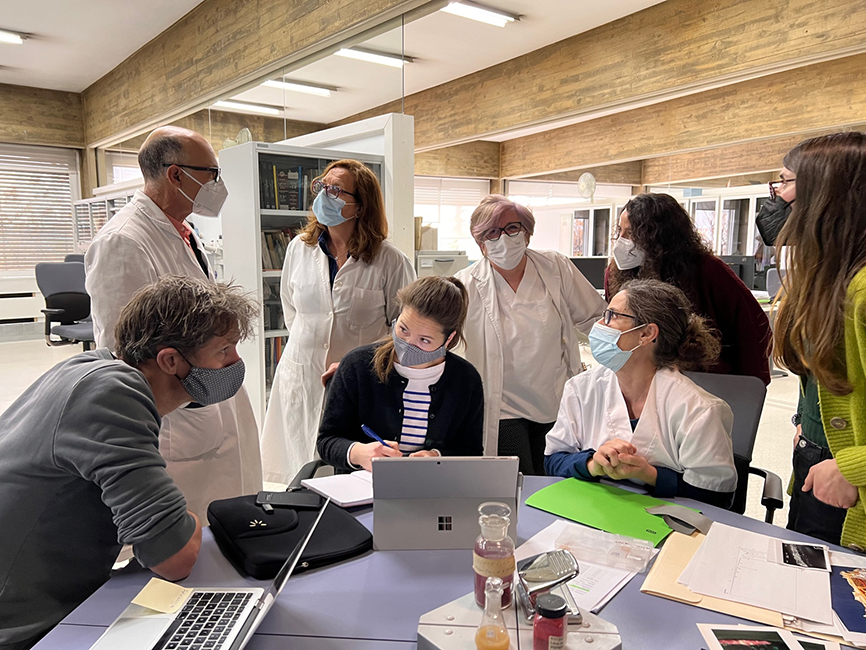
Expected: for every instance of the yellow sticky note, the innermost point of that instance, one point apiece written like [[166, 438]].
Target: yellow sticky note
[[162, 596]]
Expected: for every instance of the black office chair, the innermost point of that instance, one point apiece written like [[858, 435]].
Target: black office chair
[[66, 303], [74, 257], [745, 395]]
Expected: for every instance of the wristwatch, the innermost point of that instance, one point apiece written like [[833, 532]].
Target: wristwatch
[[796, 418]]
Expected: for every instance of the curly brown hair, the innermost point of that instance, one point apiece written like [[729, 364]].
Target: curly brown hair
[[663, 230]]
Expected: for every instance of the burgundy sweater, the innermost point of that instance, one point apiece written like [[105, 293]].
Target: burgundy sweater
[[722, 298]]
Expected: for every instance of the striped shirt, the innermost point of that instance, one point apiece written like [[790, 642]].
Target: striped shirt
[[416, 404]]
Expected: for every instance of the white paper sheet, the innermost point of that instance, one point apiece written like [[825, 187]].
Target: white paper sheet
[[734, 566], [838, 558]]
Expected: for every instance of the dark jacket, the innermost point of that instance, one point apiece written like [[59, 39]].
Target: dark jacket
[[356, 397]]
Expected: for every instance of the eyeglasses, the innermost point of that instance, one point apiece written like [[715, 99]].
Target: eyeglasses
[[608, 314], [782, 183], [333, 191], [510, 229], [213, 170]]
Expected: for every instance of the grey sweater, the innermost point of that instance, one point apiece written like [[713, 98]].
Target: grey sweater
[[80, 475]]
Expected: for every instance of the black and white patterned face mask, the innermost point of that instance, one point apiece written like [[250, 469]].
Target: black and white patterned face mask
[[212, 385], [409, 355]]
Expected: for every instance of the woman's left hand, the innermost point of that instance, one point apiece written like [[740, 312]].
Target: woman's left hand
[[828, 485], [633, 466], [423, 452]]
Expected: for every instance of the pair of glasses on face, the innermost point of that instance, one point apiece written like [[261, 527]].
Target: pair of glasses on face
[[609, 314], [333, 191], [510, 229], [213, 170], [777, 186]]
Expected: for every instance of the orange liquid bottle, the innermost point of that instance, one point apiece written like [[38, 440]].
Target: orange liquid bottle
[[491, 637], [491, 633]]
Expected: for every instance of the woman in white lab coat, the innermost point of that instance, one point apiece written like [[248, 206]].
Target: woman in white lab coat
[[524, 308], [339, 285], [636, 416]]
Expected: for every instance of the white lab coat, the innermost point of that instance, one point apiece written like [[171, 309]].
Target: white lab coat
[[682, 427], [573, 297], [323, 324], [211, 452]]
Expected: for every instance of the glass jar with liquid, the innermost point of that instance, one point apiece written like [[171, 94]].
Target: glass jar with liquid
[[494, 551], [491, 633]]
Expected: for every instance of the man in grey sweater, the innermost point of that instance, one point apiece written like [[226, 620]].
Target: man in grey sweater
[[80, 469]]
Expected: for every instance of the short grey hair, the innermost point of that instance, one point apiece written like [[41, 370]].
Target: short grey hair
[[167, 149], [181, 313]]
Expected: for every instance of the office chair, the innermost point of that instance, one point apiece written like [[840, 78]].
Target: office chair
[[66, 303], [745, 395], [774, 281], [74, 257]]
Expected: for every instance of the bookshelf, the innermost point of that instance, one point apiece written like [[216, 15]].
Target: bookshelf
[[268, 202]]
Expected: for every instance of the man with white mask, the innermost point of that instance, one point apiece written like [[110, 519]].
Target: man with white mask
[[211, 450], [525, 308]]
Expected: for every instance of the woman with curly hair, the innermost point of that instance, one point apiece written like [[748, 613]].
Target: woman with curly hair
[[656, 239]]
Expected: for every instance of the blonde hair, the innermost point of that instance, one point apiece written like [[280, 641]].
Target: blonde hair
[[371, 228], [443, 300]]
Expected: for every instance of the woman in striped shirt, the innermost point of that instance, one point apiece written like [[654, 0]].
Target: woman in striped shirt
[[408, 388]]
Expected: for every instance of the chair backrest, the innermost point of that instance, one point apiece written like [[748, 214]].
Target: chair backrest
[[774, 281], [62, 285], [74, 257], [745, 395]]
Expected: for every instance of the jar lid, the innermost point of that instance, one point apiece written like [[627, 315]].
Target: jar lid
[[551, 606]]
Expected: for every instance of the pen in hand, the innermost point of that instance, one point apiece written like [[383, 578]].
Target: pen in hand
[[375, 436]]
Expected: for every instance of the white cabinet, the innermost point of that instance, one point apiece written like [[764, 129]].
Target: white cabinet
[[268, 203]]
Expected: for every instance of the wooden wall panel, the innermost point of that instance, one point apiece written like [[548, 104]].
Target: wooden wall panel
[[473, 159], [680, 46], [213, 46], [827, 95], [39, 116], [628, 173]]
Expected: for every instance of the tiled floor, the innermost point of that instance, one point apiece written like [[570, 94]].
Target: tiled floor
[[22, 362]]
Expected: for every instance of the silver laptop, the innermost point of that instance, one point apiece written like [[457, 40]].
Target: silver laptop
[[210, 619], [432, 503]]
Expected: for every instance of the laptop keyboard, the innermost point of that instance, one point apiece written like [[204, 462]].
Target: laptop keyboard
[[205, 622]]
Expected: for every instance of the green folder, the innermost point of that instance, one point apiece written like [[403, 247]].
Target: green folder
[[602, 506]]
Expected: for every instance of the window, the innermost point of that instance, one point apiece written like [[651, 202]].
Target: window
[[121, 167], [448, 203], [37, 187]]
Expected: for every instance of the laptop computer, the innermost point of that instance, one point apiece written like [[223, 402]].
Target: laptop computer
[[210, 619], [432, 502]]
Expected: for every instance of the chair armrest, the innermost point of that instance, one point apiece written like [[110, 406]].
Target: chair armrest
[[307, 471], [52, 312], [771, 497], [56, 313]]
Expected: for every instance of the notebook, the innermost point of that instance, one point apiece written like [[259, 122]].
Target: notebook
[[346, 490]]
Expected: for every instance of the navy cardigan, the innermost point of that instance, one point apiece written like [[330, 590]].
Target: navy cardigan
[[356, 397]]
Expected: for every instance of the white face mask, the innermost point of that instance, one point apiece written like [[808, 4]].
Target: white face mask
[[210, 198], [507, 251], [626, 254]]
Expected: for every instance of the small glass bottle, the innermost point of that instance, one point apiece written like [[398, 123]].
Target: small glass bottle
[[550, 627], [491, 633], [494, 551]]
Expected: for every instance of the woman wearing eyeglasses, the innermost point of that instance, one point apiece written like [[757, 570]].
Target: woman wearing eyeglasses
[[338, 289], [821, 336], [524, 308], [656, 239], [636, 417]]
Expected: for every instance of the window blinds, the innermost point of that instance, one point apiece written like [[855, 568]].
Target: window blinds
[[37, 186]]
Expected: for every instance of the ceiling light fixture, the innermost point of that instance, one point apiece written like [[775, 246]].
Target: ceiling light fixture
[[12, 37], [481, 13], [383, 58], [249, 108], [294, 86]]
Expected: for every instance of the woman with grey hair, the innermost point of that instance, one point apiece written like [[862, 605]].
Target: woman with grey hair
[[524, 309]]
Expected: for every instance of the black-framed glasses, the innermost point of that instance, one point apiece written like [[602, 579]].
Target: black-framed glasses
[[774, 185], [213, 170], [608, 314], [510, 229], [333, 191]]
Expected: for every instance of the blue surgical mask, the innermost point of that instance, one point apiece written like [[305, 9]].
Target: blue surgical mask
[[213, 385], [603, 343], [328, 210], [411, 355]]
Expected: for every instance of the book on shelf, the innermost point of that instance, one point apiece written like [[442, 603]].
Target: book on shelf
[[288, 195], [275, 243], [281, 185]]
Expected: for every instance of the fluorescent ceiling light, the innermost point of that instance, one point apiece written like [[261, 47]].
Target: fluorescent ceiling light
[[479, 12], [383, 58], [11, 37], [292, 86], [249, 108]]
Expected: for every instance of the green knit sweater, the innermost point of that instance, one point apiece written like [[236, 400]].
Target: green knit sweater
[[844, 417]]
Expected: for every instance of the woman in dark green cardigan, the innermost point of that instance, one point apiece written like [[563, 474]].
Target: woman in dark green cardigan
[[821, 335]]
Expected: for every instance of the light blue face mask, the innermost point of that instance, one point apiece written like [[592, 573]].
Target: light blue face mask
[[328, 210], [603, 343]]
